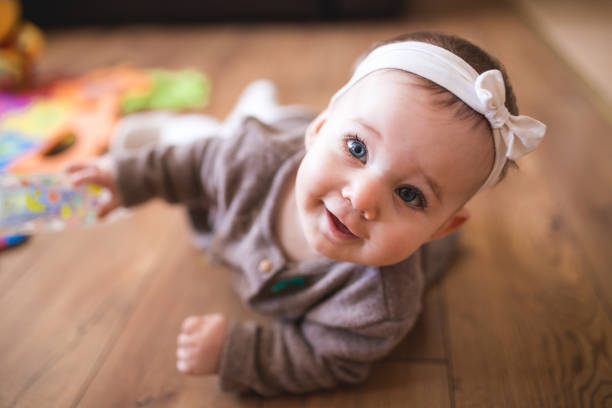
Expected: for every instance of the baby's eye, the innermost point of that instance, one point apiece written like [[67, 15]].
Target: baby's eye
[[357, 148], [412, 196]]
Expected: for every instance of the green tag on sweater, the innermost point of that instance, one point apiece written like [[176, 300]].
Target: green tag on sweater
[[296, 281]]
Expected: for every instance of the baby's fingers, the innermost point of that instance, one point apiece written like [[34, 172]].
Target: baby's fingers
[[108, 207], [75, 166], [88, 175]]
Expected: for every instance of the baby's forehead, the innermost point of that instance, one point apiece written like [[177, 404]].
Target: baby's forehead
[[405, 92], [395, 86], [392, 93], [395, 77]]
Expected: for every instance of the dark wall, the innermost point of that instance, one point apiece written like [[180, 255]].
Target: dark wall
[[79, 12]]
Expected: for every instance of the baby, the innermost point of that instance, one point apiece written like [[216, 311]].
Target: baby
[[333, 224]]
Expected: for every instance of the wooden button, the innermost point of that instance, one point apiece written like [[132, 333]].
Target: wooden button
[[265, 265]]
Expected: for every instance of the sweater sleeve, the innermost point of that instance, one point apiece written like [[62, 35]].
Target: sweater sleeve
[[174, 173], [332, 345], [300, 357]]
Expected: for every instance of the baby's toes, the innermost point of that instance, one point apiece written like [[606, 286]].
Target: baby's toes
[[185, 366], [187, 341], [186, 359], [188, 362], [191, 324], [185, 354], [190, 367]]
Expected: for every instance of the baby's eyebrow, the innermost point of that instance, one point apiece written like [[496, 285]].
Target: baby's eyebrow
[[368, 127], [435, 187]]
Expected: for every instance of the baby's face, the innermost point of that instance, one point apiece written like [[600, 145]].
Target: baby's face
[[386, 170]]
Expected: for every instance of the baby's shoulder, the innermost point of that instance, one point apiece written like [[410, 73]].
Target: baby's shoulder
[[374, 297], [262, 145]]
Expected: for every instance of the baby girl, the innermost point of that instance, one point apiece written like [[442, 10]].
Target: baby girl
[[334, 225]]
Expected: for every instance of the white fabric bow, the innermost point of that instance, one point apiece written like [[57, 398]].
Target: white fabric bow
[[521, 134], [514, 136]]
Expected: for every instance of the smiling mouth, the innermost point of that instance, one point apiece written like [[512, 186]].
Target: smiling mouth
[[338, 228]]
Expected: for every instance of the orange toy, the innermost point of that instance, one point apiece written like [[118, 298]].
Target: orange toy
[[81, 127], [84, 136]]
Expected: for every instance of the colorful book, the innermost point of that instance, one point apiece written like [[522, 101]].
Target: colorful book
[[45, 202]]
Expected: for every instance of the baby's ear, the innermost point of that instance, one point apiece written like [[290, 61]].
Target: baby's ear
[[454, 222], [313, 129]]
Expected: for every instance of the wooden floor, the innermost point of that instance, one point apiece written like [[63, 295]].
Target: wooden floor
[[523, 319], [580, 32]]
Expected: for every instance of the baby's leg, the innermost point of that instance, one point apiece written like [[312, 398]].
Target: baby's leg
[[200, 343]]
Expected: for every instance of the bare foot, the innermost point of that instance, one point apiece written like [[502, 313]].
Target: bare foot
[[200, 343]]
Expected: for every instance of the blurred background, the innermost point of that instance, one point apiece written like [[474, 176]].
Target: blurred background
[[578, 31], [79, 13]]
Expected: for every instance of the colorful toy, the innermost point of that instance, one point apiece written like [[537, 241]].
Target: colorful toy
[[73, 119], [177, 90], [12, 240], [46, 202], [21, 45]]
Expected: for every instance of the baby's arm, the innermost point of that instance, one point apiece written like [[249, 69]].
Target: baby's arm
[[334, 343], [200, 346], [300, 357], [173, 173], [284, 358]]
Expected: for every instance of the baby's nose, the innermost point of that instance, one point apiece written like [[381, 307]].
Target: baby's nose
[[365, 194]]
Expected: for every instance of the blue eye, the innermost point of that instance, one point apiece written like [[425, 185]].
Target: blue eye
[[412, 196], [357, 148]]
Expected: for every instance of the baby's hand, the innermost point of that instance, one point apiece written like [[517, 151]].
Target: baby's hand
[[200, 343], [98, 173]]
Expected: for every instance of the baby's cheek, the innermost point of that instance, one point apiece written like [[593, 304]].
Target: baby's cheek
[[398, 245], [312, 178]]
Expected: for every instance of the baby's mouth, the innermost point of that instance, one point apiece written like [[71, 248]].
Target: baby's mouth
[[338, 227]]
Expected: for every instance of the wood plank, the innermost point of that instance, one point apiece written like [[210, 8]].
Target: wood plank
[[527, 328], [392, 384], [425, 341], [16, 262], [69, 305]]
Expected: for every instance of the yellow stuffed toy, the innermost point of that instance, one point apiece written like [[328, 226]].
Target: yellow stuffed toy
[[21, 44]]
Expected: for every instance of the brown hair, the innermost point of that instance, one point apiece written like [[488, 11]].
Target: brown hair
[[480, 60]]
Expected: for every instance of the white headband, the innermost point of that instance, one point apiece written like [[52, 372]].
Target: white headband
[[514, 136]]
